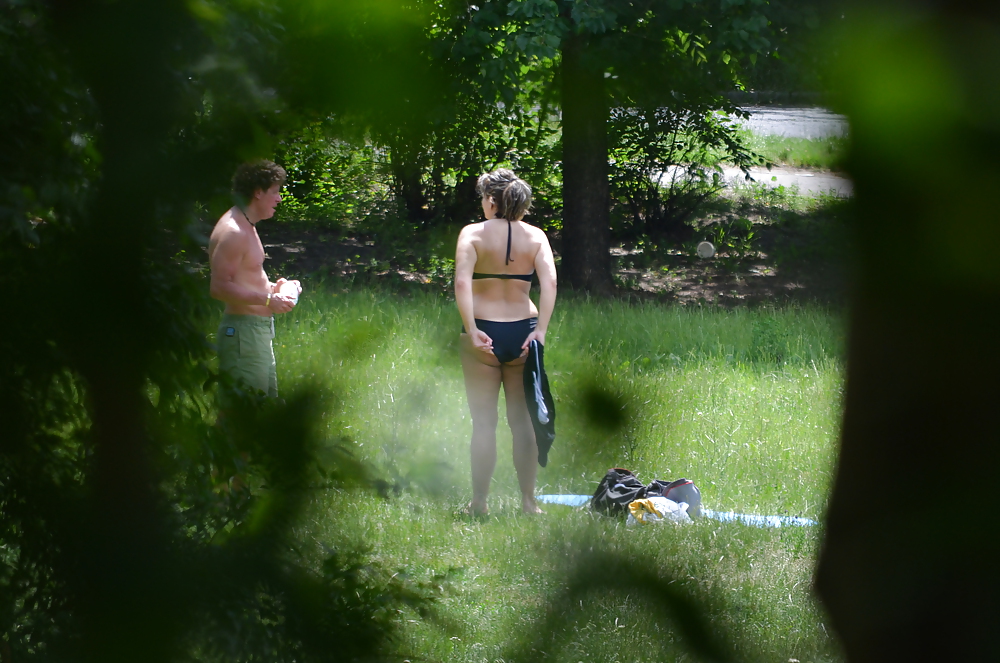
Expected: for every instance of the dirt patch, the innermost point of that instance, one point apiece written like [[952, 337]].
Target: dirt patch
[[727, 281], [327, 255], [801, 265]]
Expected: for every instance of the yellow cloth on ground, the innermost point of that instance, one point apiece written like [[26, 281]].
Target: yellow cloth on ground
[[657, 509], [642, 510]]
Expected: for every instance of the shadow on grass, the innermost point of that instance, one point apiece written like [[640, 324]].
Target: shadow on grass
[[772, 246], [605, 573]]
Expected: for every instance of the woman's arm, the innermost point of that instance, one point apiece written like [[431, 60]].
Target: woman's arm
[[465, 264], [545, 267]]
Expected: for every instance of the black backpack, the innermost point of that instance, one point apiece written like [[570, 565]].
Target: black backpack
[[619, 487]]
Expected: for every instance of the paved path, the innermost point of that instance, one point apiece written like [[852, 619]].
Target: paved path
[[794, 123], [809, 122], [808, 181]]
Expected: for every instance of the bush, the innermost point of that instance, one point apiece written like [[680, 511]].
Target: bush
[[665, 166], [331, 182]]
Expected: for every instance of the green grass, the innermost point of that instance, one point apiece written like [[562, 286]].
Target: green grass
[[745, 402], [823, 153]]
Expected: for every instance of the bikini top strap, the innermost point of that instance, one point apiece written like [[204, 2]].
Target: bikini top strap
[[507, 262]]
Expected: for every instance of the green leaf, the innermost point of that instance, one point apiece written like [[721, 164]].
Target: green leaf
[[206, 11]]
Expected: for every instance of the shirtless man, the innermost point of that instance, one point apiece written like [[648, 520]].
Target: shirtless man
[[236, 257]]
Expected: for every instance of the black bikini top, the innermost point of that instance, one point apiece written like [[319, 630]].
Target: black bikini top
[[506, 277]]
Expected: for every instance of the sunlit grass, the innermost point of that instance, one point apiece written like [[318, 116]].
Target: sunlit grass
[[744, 402], [822, 153]]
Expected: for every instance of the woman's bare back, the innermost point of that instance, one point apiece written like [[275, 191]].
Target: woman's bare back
[[500, 299]]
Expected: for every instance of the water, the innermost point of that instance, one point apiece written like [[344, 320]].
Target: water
[[808, 122]]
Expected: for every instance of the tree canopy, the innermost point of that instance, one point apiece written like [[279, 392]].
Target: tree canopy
[[668, 65]]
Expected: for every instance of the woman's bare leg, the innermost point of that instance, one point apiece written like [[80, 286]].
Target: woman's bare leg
[[482, 388], [525, 449]]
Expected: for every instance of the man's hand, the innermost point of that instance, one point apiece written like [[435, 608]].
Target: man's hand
[[281, 303], [283, 281]]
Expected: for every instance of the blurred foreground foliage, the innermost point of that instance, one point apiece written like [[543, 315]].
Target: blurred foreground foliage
[[920, 83], [135, 523]]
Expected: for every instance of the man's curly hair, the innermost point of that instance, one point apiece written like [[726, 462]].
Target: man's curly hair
[[254, 175]]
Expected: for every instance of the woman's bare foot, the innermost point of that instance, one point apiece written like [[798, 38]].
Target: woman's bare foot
[[528, 505], [477, 508]]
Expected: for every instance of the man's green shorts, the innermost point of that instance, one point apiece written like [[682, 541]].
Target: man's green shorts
[[245, 351]]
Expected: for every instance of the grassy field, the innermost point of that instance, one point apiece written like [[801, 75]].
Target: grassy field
[[744, 402], [823, 153]]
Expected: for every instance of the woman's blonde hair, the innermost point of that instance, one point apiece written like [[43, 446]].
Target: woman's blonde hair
[[510, 193]]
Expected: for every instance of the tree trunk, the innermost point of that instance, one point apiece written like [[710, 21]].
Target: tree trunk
[[909, 569], [406, 173], [586, 234], [463, 206], [409, 187], [117, 563]]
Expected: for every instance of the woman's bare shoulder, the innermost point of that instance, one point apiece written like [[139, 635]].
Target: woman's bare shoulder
[[536, 233], [471, 230]]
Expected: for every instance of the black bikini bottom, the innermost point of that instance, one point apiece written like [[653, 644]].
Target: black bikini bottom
[[508, 337]]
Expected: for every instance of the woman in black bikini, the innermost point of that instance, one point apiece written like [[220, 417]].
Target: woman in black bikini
[[494, 264]]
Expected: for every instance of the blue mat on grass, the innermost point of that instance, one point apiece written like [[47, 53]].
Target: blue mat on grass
[[721, 516]]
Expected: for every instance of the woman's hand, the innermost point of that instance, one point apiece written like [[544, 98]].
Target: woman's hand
[[533, 336], [481, 342]]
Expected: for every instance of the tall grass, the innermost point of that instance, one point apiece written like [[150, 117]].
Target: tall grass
[[744, 402]]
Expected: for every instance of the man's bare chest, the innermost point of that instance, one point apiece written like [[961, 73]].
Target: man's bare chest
[[254, 256]]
